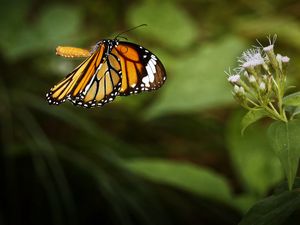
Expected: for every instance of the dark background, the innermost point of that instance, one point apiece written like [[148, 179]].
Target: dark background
[[173, 156]]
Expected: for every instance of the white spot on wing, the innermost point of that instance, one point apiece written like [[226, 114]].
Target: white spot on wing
[[152, 67], [153, 61], [146, 81], [153, 57], [150, 73]]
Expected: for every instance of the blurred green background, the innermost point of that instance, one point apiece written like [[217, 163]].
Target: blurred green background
[[174, 156]]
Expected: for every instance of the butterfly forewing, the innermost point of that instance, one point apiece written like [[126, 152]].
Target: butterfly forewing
[[103, 87], [76, 81]]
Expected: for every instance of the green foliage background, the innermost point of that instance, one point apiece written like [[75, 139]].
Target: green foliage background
[[174, 156]]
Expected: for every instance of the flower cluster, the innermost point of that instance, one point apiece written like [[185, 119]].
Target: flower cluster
[[260, 79]]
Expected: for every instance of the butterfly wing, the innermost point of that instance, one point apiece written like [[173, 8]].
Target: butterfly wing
[[141, 69], [94, 82]]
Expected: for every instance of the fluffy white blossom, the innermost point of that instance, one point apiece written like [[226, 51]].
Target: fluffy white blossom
[[260, 79], [251, 57]]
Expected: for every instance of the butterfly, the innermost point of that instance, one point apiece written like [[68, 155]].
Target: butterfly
[[112, 68]]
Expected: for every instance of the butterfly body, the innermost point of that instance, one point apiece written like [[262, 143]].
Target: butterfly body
[[113, 68]]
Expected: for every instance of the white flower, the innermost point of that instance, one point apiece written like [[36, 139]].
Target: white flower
[[234, 78], [251, 57]]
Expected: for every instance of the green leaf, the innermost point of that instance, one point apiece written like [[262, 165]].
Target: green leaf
[[251, 117], [296, 111], [292, 99], [256, 165], [285, 139], [293, 111], [197, 81], [176, 32], [244, 201], [273, 210], [183, 175]]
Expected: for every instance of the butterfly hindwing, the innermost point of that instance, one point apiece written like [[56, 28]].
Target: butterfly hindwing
[[141, 69], [103, 87]]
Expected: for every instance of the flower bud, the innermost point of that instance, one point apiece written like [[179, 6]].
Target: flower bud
[[252, 79], [250, 70], [262, 86], [266, 68], [234, 78], [246, 74], [242, 90], [279, 61], [269, 50], [285, 59], [236, 89]]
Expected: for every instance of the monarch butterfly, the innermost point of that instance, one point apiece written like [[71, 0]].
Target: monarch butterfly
[[111, 68]]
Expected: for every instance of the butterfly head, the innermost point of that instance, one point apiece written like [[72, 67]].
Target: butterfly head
[[107, 42]]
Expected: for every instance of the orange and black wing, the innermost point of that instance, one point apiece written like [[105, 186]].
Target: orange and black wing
[[94, 82], [141, 69]]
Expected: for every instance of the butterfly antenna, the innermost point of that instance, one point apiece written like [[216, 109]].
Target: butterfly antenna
[[125, 38], [133, 28]]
